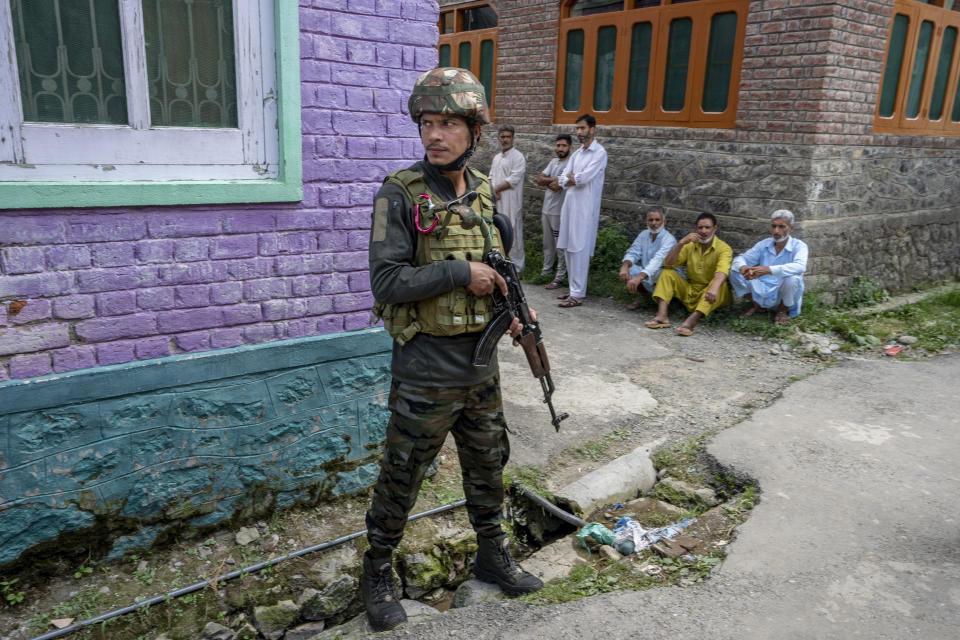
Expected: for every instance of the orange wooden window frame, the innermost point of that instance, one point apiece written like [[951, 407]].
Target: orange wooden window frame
[[474, 37], [898, 122], [701, 13]]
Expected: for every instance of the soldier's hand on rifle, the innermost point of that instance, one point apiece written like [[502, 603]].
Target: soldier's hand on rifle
[[516, 326], [483, 280]]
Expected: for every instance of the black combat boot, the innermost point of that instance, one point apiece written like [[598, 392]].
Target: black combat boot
[[494, 564], [384, 610]]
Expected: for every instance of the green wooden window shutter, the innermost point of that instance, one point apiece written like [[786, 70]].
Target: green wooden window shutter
[[678, 59], [640, 40], [444, 56], [919, 69], [891, 72], [486, 68], [716, 82], [606, 58], [943, 72], [466, 51], [573, 75]]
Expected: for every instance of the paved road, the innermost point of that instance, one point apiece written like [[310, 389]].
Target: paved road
[[857, 534]]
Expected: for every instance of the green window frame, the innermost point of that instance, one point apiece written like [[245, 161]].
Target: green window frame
[[287, 186]]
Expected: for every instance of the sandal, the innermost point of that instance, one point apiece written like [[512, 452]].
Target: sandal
[[569, 303], [556, 284], [684, 331], [633, 306], [655, 324], [781, 317], [749, 312]]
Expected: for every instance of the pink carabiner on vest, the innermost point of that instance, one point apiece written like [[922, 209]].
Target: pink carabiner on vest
[[416, 214]]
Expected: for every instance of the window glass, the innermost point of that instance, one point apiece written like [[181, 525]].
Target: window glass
[[891, 71], [190, 62], [486, 68], [478, 18], [447, 22], [588, 7], [943, 72], [444, 56], [639, 66], [464, 55], [919, 69], [716, 82], [603, 76], [70, 61], [574, 70], [678, 58]]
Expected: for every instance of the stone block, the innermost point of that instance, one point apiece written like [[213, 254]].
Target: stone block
[[88, 466], [115, 303], [332, 600], [355, 378], [195, 295], [474, 592], [63, 257], [273, 621], [73, 358], [31, 312], [139, 541], [240, 246], [30, 365], [296, 391], [104, 329], [17, 340], [18, 260], [684, 494], [74, 307], [37, 433], [222, 407], [189, 320], [112, 254], [556, 560], [360, 479], [621, 480], [304, 631], [25, 526]]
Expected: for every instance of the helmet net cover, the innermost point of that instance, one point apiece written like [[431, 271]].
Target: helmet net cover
[[449, 90]]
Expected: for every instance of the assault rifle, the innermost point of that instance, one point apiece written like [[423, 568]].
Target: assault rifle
[[514, 305]]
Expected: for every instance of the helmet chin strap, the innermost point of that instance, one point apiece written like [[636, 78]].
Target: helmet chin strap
[[460, 162]]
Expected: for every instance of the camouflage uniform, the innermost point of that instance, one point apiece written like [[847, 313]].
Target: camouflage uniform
[[435, 388]]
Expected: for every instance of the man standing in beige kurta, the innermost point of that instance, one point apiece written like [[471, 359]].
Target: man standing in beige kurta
[[506, 176]]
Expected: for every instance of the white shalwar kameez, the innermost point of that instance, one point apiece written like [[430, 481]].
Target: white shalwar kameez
[[580, 214], [510, 167]]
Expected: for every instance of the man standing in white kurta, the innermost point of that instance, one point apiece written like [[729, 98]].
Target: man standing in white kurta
[[506, 176], [580, 214]]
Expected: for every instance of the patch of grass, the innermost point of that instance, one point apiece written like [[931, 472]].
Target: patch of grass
[[600, 448], [443, 488], [633, 575], [86, 604], [934, 320], [533, 478], [11, 596], [740, 507], [864, 292]]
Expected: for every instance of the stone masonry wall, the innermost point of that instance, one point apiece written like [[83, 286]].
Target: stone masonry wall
[[867, 204], [82, 288]]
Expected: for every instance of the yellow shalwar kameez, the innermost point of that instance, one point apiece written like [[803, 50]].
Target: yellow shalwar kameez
[[701, 267]]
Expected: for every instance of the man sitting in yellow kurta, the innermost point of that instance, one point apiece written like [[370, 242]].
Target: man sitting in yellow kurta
[[705, 288]]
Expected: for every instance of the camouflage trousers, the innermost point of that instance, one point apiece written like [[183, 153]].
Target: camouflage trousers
[[421, 418]]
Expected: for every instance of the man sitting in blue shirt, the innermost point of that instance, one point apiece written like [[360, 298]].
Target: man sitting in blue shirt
[[644, 259], [771, 272]]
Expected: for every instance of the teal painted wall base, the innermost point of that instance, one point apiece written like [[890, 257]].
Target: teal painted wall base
[[123, 454]]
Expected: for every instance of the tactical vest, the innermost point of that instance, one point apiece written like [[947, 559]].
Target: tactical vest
[[456, 311]]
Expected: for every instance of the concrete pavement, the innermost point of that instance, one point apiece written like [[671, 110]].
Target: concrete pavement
[[857, 534]]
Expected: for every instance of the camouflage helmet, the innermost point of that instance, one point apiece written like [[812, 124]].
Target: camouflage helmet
[[449, 90]]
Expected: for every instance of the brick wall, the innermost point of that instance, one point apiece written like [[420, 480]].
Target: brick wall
[[82, 288]]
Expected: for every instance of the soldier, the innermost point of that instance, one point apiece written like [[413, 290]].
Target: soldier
[[435, 295]]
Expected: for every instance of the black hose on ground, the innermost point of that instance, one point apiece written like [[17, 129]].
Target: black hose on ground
[[569, 518], [59, 633]]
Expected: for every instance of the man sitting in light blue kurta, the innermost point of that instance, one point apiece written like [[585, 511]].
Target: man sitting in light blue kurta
[[771, 272], [644, 259]]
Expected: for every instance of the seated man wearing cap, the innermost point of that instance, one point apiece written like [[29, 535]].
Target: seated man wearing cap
[[771, 272]]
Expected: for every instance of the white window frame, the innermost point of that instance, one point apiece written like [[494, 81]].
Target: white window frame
[[54, 152]]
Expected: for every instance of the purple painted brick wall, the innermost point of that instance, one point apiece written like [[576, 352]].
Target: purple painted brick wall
[[81, 288]]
